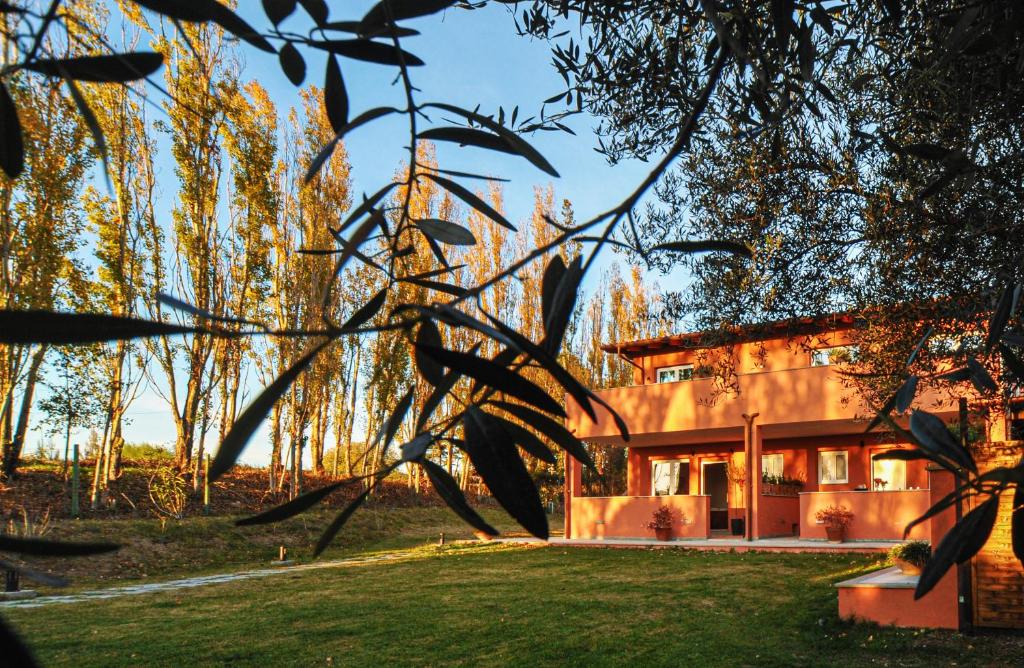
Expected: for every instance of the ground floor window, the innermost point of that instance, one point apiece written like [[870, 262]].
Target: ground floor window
[[832, 467], [888, 474], [674, 374], [670, 476], [771, 465]]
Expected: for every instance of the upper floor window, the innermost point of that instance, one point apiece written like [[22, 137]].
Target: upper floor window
[[834, 355], [672, 374]]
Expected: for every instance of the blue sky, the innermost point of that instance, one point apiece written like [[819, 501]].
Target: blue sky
[[472, 58]]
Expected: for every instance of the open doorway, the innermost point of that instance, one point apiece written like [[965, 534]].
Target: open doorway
[[715, 483]]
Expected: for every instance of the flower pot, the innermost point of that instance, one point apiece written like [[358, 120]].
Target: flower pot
[[906, 567], [835, 534], [663, 533]]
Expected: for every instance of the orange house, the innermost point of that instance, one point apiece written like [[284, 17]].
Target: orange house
[[716, 451]]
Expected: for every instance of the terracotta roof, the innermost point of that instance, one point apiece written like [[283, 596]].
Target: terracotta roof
[[734, 334]]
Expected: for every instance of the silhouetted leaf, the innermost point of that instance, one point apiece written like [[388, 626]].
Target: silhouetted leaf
[[336, 525], [926, 151], [782, 19], [365, 206], [445, 232], [468, 137], [526, 439], [905, 395], [15, 651], [201, 11], [368, 51], [253, 415], [882, 413], [900, 455], [517, 143], [981, 379], [413, 451], [495, 376], [20, 327], [335, 97], [449, 491], [447, 288], [551, 364], [40, 547], [556, 432], [367, 310], [279, 10], [292, 64], [317, 10], [114, 67], [377, 17], [955, 376], [428, 336], [299, 504], [705, 246], [1012, 363], [553, 274], [496, 459], [434, 399], [328, 150], [12, 151], [1001, 315], [920, 344], [471, 199], [563, 302], [394, 421], [179, 305], [93, 124], [960, 544], [932, 435]]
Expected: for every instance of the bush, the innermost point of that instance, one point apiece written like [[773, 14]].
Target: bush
[[835, 516], [134, 451], [916, 552]]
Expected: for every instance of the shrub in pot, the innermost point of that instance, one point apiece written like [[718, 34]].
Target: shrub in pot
[[661, 523], [836, 520], [911, 557]]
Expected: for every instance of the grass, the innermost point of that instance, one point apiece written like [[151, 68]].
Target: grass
[[202, 545], [504, 605]]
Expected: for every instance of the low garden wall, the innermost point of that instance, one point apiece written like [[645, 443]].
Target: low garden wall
[[877, 515], [596, 517]]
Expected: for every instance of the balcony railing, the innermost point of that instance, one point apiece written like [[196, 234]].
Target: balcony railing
[[785, 397]]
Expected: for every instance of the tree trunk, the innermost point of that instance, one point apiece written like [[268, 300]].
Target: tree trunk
[[13, 449]]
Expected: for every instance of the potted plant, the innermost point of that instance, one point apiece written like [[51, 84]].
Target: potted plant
[[911, 557], [661, 522], [836, 520]]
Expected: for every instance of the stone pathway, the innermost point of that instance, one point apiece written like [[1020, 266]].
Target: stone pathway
[[200, 581]]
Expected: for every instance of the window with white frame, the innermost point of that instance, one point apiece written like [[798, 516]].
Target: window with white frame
[[832, 467], [771, 465], [888, 474], [670, 477], [834, 355], [673, 374]]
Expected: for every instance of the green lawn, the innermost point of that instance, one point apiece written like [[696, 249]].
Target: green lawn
[[202, 545], [501, 605]]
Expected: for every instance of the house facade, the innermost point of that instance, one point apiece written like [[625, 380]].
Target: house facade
[[754, 452]]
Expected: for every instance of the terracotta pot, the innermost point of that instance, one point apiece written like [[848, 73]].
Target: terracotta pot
[[663, 533], [835, 534], [906, 567]]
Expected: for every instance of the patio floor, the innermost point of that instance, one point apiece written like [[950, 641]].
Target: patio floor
[[737, 544]]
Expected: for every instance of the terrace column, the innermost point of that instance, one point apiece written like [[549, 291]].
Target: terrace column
[[752, 490], [573, 488]]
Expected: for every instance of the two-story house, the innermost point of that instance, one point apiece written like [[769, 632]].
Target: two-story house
[[753, 452]]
